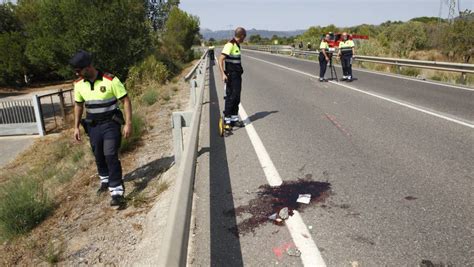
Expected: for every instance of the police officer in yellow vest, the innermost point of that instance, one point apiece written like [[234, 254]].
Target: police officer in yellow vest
[[211, 52], [323, 57], [100, 93], [231, 74], [346, 52]]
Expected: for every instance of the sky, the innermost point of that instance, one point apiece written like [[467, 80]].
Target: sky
[[301, 14]]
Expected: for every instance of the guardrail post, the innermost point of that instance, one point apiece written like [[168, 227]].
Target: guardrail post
[[179, 120], [463, 77], [193, 91], [38, 115]]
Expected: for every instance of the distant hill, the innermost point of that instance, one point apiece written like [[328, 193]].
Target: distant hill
[[227, 34]]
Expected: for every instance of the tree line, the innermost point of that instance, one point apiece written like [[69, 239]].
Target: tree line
[[454, 39], [37, 38]]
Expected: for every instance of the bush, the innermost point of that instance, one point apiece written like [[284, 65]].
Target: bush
[[150, 97], [23, 205], [408, 71], [138, 127], [147, 72]]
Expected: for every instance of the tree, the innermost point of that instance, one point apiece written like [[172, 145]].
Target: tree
[[403, 38], [158, 11], [115, 32], [8, 21], [179, 35], [255, 39], [459, 37], [13, 62]]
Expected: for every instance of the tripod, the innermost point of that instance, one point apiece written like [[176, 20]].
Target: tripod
[[332, 68]]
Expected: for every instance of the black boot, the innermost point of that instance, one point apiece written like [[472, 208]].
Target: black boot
[[104, 187], [117, 200], [239, 124]]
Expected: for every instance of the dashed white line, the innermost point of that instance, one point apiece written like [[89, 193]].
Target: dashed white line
[[310, 255], [374, 95]]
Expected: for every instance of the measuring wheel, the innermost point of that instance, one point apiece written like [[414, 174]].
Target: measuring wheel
[[221, 126]]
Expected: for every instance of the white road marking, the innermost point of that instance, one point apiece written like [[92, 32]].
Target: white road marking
[[374, 95], [273, 177], [373, 72], [310, 255]]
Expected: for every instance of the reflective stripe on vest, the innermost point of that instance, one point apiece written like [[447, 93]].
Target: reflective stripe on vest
[[101, 106], [346, 47]]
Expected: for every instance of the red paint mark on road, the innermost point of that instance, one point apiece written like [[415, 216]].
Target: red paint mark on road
[[279, 251], [332, 119]]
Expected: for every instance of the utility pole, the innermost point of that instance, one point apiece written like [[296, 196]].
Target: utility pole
[[453, 9]]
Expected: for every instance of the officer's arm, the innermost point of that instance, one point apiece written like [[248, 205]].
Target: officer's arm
[[324, 51], [127, 106], [78, 109], [221, 64]]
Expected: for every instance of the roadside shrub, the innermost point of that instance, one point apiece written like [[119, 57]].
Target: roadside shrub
[[150, 97], [23, 205], [148, 71], [408, 71]]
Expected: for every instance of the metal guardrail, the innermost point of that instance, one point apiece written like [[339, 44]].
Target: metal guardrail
[[399, 62], [175, 242]]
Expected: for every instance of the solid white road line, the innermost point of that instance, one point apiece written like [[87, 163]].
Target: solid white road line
[[273, 177], [373, 72], [374, 95], [310, 255]]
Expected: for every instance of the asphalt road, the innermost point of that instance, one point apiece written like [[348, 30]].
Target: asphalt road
[[398, 161], [12, 146]]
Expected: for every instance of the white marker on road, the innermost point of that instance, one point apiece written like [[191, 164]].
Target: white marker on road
[[375, 95], [310, 255]]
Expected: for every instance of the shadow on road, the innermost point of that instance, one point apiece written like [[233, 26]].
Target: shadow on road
[[261, 115], [225, 246]]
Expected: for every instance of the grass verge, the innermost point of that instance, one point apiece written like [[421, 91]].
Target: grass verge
[[23, 205]]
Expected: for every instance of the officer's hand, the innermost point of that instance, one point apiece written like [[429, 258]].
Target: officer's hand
[[327, 59], [77, 134], [127, 130], [224, 78]]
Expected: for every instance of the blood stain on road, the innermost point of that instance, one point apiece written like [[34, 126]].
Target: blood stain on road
[[271, 200]]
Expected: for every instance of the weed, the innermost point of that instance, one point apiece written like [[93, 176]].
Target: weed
[[166, 96], [162, 187], [138, 126], [77, 155], [52, 254]]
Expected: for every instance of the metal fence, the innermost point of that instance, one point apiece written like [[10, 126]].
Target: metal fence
[[54, 108], [39, 114], [462, 68], [175, 241], [18, 117]]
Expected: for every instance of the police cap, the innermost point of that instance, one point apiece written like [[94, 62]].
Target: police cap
[[81, 60]]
